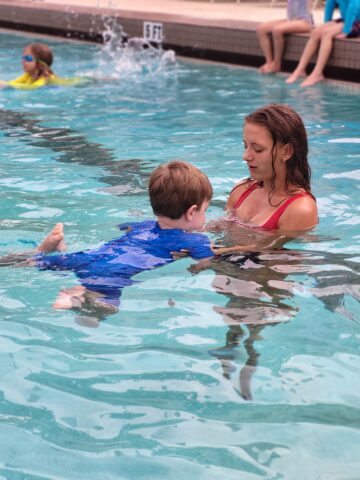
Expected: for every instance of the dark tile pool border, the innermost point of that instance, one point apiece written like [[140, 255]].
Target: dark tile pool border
[[231, 41]]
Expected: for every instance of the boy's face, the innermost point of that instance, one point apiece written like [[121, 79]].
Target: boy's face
[[198, 219]]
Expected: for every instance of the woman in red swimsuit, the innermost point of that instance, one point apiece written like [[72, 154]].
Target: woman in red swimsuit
[[277, 196]]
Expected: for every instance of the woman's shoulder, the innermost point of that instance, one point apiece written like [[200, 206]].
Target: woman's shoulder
[[238, 190], [301, 213], [303, 200]]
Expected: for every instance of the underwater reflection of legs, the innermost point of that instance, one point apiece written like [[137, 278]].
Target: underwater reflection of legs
[[230, 352], [253, 303], [269, 291], [248, 370]]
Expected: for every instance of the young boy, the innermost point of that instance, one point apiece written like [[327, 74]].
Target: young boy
[[179, 195]]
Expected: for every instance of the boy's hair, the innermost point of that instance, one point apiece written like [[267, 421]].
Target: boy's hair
[[175, 186]]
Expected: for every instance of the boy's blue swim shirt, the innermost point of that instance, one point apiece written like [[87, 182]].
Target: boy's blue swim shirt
[[145, 246]]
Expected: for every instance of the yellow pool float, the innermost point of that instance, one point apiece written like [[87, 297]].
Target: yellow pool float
[[27, 82]]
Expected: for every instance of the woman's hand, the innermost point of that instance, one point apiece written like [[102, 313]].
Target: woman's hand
[[235, 249]]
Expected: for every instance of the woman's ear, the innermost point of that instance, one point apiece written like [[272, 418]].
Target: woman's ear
[[288, 152]]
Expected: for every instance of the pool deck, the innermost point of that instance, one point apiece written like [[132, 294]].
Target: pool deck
[[219, 30]]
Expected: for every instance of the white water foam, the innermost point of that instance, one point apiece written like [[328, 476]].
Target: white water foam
[[131, 59]]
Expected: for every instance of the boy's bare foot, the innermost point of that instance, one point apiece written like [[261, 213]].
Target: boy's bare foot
[[54, 241], [294, 77], [70, 298], [312, 80]]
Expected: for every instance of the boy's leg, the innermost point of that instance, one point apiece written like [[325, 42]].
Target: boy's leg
[[263, 32], [98, 302], [279, 32], [54, 241], [79, 297], [309, 50], [90, 306], [68, 298], [17, 259], [326, 44]]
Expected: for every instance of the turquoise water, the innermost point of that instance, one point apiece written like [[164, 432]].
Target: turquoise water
[[158, 389]]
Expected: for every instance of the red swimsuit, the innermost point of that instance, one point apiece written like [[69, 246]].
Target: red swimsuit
[[273, 222]]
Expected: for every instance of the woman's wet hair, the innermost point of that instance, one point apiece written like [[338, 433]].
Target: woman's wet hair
[[286, 127], [44, 58], [175, 186]]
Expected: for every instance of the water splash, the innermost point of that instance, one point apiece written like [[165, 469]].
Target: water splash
[[132, 59]]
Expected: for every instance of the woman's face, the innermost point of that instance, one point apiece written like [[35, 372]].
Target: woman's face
[[28, 61], [258, 154]]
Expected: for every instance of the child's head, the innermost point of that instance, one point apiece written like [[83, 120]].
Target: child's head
[[37, 59], [176, 187]]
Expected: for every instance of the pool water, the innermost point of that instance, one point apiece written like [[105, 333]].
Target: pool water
[[244, 370]]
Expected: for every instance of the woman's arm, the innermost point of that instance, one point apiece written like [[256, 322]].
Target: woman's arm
[[300, 215], [234, 249]]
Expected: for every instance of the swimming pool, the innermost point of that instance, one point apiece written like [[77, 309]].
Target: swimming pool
[[157, 390]]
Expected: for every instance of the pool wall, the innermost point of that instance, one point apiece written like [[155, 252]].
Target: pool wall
[[225, 40]]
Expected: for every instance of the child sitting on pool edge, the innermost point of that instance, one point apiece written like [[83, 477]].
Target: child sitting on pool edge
[[37, 59], [179, 195]]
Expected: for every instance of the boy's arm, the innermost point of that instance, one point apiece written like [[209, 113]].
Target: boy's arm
[[203, 249]]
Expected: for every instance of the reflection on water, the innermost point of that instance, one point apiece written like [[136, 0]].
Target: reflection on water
[[125, 176], [266, 289]]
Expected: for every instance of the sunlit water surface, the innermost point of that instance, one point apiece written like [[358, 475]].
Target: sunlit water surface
[[245, 370]]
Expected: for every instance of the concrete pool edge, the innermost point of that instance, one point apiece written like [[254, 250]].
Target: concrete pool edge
[[226, 40]]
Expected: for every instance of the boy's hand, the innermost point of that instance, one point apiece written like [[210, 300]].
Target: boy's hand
[[179, 255]]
